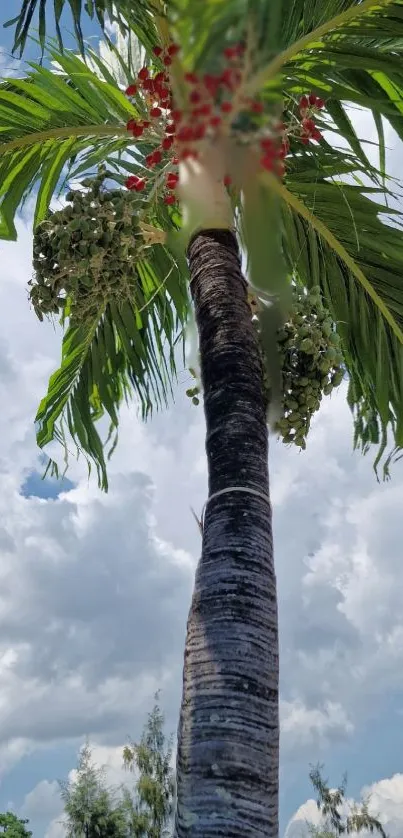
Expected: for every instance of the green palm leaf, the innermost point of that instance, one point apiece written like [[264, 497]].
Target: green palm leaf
[[59, 125], [137, 17], [336, 235], [373, 351], [124, 352], [46, 122]]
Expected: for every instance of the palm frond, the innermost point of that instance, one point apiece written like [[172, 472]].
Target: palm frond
[[138, 17], [371, 248], [338, 235], [59, 126], [47, 121], [125, 351]]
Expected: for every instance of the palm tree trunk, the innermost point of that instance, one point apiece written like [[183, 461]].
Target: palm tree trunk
[[228, 738]]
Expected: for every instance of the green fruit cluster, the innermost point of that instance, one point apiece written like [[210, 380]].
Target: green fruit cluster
[[85, 254], [312, 363]]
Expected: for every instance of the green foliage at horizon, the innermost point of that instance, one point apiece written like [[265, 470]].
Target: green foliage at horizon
[[151, 759], [13, 827], [91, 809], [94, 810], [339, 818]]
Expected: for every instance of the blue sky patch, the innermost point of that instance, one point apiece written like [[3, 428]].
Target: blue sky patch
[[48, 489]]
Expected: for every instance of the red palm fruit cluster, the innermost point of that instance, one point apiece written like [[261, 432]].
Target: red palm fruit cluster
[[308, 106], [171, 182], [274, 150], [135, 183], [166, 55], [210, 103]]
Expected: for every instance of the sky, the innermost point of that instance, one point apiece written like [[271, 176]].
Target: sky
[[95, 588]]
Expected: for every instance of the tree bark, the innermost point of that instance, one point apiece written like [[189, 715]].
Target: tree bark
[[228, 738]]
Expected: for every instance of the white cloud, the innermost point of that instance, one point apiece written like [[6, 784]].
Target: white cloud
[[75, 622], [302, 726], [9, 66], [95, 590], [43, 801]]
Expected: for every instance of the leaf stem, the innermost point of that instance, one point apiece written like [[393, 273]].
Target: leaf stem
[[336, 245], [269, 72], [61, 133]]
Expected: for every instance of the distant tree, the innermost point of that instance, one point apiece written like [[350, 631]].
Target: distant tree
[[13, 827], [153, 802], [91, 808], [331, 802]]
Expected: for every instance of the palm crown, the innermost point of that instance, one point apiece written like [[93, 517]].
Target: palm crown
[[336, 228]]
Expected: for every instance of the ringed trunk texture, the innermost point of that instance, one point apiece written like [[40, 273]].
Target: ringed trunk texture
[[228, 738]]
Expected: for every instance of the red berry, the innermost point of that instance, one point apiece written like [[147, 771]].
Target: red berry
[[143, 73], [176, 115], [153, 158], [170, 128], [320, 104], [157, 51], [135, 182], [267, 163], [226, 107], [267, 145], [155, 112], [184, 153], [303, 103], [215, 121], [257, 107], [160, 77], [227, 78], [227, 180], [172, 180], [167, 60], [130, 125], [199, 131], [308, 125], [191, 78], [230, 52], [131, 181], [167, 143], [146, 124], [149, 85], [131, 90], [230, 78], [305, 140], [137, 130], [194, 97], [205, 110], [316, 135], [163, 92], [185, 134], [212, 83], [312, 99], [173, 49], [169, 199]]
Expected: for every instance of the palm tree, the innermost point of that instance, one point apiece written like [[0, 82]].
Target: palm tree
[[331, 803], [327, 224]]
